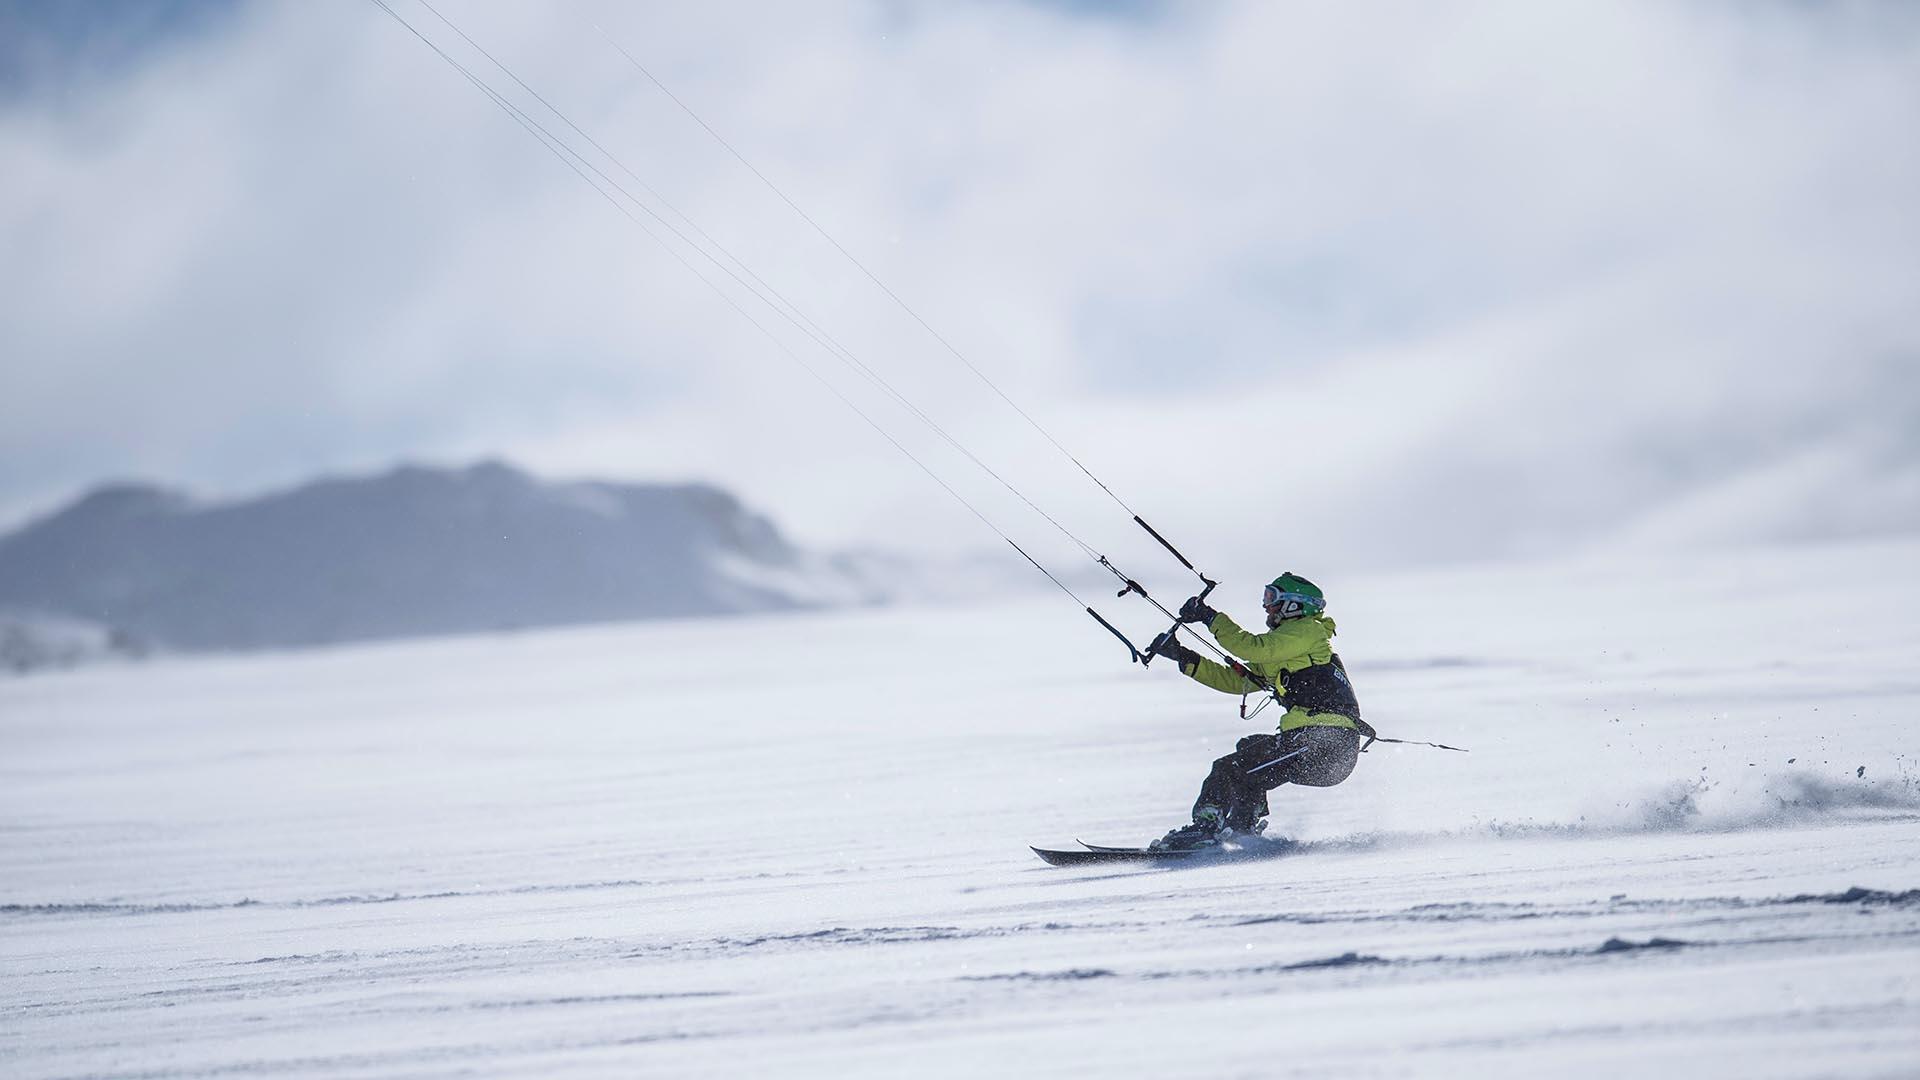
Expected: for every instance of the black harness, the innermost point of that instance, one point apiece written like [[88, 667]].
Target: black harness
[[1325, 688], [1322, 688]]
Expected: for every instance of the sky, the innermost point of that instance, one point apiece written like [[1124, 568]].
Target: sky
[[1330, 285]]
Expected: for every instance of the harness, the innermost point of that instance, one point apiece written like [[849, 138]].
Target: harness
[[1320, 688]]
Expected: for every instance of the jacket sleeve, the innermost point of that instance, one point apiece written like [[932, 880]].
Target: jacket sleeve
[[1219, 676], [1275, 648]]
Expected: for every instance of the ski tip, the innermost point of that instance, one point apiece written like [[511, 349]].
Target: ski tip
[[1054, 858]]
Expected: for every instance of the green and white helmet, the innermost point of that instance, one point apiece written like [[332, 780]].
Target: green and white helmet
[[1290, 596]]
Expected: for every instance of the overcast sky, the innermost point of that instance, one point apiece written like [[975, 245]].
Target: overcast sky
[[1356, 282]]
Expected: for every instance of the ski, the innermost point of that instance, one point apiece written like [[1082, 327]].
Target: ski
[[1239, 848], [1098, 855]]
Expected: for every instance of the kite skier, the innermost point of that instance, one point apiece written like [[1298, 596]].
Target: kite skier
[[1319, 738]]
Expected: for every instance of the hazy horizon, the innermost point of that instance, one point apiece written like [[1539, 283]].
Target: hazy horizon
[[1432, 284]]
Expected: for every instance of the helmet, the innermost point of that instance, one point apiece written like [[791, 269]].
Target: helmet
[[1291, 596]]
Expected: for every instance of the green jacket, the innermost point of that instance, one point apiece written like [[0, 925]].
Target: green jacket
[[1294, 645]]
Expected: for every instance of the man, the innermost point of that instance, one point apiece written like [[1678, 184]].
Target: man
[[1318, 742]]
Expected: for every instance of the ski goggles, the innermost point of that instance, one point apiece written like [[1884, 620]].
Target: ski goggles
[[1274, 598]]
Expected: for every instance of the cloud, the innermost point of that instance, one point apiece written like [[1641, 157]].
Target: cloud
[[1366, 284]]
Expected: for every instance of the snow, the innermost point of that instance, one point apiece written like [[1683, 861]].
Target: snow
[[1684, 842]]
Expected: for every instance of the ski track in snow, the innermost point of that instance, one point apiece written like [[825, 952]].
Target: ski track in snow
[[1687, 840]]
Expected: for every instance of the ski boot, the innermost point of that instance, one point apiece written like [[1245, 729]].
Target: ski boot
[[1208, 828]]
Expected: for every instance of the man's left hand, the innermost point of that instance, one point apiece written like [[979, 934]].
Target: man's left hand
[[1168, 646]]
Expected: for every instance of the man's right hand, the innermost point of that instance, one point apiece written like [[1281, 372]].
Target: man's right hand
[[1195, 610]]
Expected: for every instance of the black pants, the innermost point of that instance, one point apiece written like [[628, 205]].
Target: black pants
[[1314, 756]]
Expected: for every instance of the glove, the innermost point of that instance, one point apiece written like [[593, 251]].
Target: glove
[[1196, 610], [1166, 645]]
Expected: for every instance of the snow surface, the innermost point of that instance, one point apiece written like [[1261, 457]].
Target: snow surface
[[1686, 842]]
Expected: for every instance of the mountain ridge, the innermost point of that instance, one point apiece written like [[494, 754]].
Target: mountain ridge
[[411, 551]]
